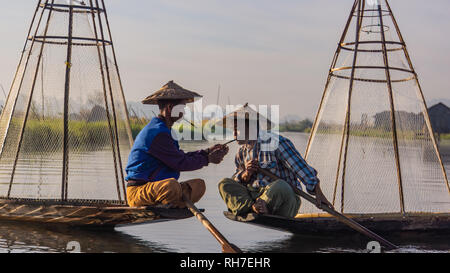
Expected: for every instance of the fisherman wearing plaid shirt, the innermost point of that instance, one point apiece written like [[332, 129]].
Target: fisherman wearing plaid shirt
[[249, 191]]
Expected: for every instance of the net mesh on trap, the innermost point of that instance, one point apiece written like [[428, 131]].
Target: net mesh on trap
[[64, 130], [372, 142]]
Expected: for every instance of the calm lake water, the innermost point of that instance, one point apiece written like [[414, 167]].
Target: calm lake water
[[190, 236]]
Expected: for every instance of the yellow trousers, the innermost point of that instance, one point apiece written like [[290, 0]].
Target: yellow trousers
[[168, 191]]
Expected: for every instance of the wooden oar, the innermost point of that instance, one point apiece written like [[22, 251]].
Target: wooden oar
[[344, 219], [227, 247]]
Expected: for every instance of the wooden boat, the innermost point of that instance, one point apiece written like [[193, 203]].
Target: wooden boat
[[327, 224], [82, 215]]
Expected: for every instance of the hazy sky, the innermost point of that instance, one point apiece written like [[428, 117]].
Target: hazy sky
[[260, 51]]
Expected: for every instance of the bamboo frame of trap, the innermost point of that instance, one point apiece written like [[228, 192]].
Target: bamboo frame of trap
[[100, 213], [359, 9], [100, 42]]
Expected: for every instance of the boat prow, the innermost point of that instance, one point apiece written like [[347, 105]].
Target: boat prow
[[327, 224], [92, 215]]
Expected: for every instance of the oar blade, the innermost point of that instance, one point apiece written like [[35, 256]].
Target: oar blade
[[227, 247], [231, 248]]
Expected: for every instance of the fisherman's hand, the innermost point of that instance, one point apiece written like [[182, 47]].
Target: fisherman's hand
[[216, 155], [215, 147], [321, 200], [221, 147], [225, 149], [251, 167]]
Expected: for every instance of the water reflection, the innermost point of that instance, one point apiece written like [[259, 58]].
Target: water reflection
[[319, 243], [27, 237], [411, 242]]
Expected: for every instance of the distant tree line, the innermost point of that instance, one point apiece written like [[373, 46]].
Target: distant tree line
[[302, 126]]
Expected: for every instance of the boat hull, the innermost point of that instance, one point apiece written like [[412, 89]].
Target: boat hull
[[99, 215], [327, 224]]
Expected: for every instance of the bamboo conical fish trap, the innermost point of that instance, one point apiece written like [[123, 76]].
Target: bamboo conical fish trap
[[64, 131], [372, 142]]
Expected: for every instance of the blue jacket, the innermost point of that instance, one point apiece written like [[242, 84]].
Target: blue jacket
[[157, 156]]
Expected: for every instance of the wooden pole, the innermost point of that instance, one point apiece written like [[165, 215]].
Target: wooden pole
[[65, 170], [393, 118], [227, 247], [342, 218], [111, 94], [231, 141], [127, 124], [346, 129], [30, 97], [23, 71], [105, 96], [421, 96], [20, 61], [330, 74]]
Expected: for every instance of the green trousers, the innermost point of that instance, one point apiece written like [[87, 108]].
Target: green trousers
[[279, 196]]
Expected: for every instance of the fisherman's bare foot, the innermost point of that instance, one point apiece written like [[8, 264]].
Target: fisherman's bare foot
[[260, 207]]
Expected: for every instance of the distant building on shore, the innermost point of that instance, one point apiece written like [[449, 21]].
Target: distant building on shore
[[410, 121], [440, 118]]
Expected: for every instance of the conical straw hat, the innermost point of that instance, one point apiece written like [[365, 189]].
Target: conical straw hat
[[245, 112], [171, 91]]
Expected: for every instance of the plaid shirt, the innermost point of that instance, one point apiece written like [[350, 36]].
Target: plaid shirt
[[283, 159]]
